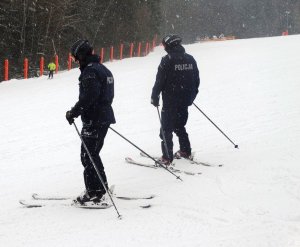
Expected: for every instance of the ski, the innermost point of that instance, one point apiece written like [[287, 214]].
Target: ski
[[30, 205], [131, 198], [42, 201], [133, 162], [101, 205], [192, 160], [36, 196], [196, 162], [155, 166], [35, 204]]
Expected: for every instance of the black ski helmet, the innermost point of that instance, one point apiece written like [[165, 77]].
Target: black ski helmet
[[171, 40], [80, 49]]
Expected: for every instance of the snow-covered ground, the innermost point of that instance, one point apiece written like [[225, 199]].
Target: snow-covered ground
[[249, 88]]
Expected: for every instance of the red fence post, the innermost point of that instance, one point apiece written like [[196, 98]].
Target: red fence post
[[41, 66], [6, 70], [121, 51], [25, 68], [139, 49], [102, 55], [69, 61], [131, 50], [284, 33], [56, 63], [111, 53], [146, 49]]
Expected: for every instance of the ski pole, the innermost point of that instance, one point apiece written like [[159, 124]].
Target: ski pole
[[163, 134], [156, 161], [98, 173], [235, 145]]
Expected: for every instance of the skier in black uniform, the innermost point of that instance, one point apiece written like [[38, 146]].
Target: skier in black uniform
[[178, 81], [96, 93]]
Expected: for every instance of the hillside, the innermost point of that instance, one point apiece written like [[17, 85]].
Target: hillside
[[249, 88]]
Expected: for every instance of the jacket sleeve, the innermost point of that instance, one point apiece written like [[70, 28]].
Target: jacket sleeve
[[90, 90], [196, 82], [159, 82]]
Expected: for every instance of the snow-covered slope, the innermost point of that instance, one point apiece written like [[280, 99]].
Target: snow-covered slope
[[249, 88]]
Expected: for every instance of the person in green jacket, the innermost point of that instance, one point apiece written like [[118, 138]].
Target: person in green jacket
[[52, 68]]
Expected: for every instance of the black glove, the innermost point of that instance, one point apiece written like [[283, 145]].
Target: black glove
[[155, 102], [70, 117]]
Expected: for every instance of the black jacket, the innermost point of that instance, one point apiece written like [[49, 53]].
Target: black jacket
[[177, 78], [96, 93]]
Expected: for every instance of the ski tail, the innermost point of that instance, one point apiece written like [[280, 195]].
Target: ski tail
[[170, 168], [192, 160]]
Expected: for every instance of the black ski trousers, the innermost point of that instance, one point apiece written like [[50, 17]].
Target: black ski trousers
[[174, 120], [93, 137], [51, 74]]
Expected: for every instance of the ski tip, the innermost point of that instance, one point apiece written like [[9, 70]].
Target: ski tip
[[130, 198], [151, 196], [22, 202], [128, 159], [26, 205], [112, 189]]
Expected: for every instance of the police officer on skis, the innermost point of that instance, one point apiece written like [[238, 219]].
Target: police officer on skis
[[178, 81], [96, 93]]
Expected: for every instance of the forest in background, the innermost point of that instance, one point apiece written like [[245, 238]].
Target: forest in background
[[35, 28], [240, 18]]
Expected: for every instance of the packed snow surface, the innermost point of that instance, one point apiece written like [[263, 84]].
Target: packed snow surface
[[249, 88]]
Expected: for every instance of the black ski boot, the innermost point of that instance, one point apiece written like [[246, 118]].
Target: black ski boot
[[181, 154], [90, 198]]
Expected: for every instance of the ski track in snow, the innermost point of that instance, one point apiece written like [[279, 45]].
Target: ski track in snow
[[249, 88]]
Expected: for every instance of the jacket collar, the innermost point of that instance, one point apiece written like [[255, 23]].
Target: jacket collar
[[175, 49], [87, 60]]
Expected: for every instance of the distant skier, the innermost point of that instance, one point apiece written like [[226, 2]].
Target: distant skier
[[178, 81], [96, 93], [52, 68]]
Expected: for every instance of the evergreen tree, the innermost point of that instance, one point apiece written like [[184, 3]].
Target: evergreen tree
[[34, 28]]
